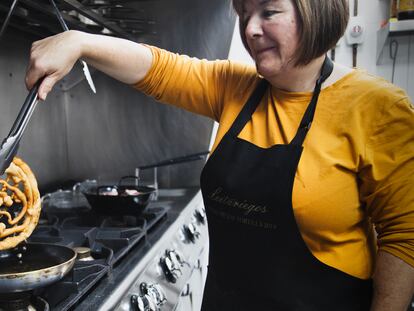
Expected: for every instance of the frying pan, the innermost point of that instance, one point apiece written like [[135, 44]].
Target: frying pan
[[39, 265], [114, 200]]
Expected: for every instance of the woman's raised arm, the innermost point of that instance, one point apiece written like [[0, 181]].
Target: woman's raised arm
[[53, 58]]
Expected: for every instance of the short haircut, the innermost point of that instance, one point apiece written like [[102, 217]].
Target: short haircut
[[322, 23]]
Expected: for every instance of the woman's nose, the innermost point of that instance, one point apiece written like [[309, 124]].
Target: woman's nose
[[253, 28]]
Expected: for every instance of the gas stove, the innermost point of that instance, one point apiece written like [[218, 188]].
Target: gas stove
[[139, 263]]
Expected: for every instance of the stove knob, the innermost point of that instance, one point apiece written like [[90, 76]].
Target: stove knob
[[143, 303], [176, 258], [149, 302], [136, 303], [200, 215], [157, 293], [191, 233], [171, 272]]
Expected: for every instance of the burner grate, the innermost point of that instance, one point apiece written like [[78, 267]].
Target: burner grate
[[108, 238]]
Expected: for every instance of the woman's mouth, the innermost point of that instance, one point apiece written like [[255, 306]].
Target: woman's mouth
[[264, 50]]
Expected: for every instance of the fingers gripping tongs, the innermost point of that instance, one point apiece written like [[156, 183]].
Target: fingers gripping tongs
[[11, 143]]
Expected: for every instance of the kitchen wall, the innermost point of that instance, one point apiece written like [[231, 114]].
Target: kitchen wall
[[75, 134], [373, 12]]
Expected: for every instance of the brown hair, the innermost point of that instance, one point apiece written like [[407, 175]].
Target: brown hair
[[322, 24]]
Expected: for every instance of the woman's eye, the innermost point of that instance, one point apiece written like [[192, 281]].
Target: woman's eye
[[269, 13]]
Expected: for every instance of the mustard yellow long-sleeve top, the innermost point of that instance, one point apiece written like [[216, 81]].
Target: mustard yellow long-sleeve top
[[357, 167]]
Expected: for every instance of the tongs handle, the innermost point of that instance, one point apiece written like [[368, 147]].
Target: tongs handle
[[59, 16], [11, 143], [25, 112]]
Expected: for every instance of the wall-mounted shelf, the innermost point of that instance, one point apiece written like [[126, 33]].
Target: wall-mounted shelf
[[400, 27], [393, 28]]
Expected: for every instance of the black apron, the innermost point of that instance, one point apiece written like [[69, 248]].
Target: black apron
[[258, 258]]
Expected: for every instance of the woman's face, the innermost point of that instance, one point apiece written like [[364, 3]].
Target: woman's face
[[271, 34]]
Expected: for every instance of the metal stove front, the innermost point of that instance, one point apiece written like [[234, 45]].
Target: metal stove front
[[172, 275]]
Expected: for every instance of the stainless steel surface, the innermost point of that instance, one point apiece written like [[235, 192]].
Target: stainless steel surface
[[75, 136], [24, 281], [187, 260]]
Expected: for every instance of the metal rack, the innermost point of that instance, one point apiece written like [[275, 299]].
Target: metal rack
[[94, 16]]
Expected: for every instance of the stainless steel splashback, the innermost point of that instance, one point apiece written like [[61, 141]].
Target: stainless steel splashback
[[76, 135]]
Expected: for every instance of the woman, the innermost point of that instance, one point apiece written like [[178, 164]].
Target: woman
[[309, 154]]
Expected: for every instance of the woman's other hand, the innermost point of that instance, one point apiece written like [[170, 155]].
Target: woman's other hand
[[53, 58]]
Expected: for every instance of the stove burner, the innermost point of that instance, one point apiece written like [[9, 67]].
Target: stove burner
[[15, 301], [101, 242], [83, 253]]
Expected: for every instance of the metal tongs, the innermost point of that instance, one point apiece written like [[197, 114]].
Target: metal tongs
[[83, 63], [11, 143]]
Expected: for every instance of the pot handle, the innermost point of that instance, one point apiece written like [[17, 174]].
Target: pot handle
[[84, 185], [76, 187], [45, 198]]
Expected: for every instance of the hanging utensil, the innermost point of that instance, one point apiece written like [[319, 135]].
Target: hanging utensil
[[6, 21], [85, 67], [11, 143]]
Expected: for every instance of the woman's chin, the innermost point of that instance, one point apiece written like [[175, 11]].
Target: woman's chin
[[266, 72], [268, 68]]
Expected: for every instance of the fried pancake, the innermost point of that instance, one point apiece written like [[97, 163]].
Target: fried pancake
[[19, 204]]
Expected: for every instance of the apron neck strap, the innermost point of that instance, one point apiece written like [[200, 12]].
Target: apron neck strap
[[249, 108], [255, 98], [307, 119]]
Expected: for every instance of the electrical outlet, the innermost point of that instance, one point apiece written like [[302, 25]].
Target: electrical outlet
[[355, 33]]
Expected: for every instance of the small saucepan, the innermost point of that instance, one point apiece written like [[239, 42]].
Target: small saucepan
[[120, 199]]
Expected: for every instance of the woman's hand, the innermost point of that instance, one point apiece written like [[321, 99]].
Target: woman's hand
[[52, 58]]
